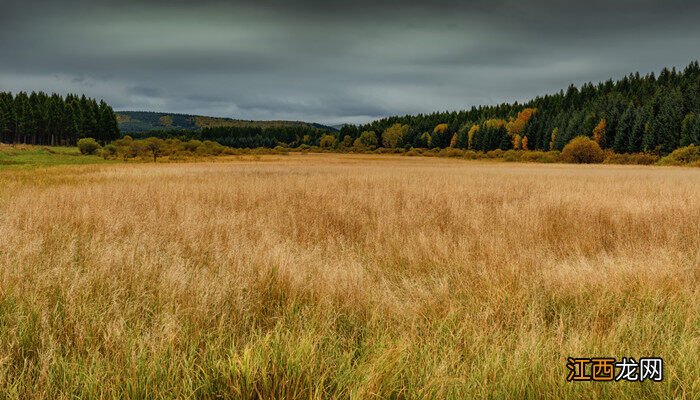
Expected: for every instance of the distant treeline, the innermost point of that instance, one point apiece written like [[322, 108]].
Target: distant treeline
[[637, 113], [245, 137], [653, 114], [54, 120]]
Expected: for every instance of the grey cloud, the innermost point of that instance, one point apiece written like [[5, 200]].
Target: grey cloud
[[332, 61]]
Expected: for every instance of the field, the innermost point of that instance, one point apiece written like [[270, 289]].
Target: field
[[345, 276], [38, 156]]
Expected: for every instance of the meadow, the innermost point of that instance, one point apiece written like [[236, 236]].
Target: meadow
[[317, 276], [26, 156]]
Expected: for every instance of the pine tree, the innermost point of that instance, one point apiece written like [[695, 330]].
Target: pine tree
[[55, 124], [667, 124], [624, 130], [107, 127], [88, 122], [463, 137], [690, 130], [21, 116], [5, 112], [642, 125], [71, 127]]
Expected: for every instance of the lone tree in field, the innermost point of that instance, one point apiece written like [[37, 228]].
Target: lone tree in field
[[88, 146], [155, 146], [582, 150]]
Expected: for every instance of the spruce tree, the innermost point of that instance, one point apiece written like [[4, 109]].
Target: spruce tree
[[667, 124], [690, 130], [624, 129], [21, 116], [639, 129]]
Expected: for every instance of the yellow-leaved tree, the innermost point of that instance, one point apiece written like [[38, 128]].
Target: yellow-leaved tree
[[599, 132], [453, 141], [553, 138], [517, 141], [472, 131], [517, 126], [441, 128], [393, 135]]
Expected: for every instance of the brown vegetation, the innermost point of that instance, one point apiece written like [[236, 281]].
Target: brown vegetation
[[582, 150], [345, 276]]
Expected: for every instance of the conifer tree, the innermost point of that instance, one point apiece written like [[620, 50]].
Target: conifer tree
[[624, 130], [690, 130]]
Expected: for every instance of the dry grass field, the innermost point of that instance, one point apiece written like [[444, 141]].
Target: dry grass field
[[341, 276]]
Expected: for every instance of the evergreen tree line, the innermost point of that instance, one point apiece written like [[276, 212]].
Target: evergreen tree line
[[53, 120], [637, 113], [244, 137], [650, 113]]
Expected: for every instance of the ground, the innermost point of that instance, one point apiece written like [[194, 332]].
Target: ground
[[345, 276], [41, 156]]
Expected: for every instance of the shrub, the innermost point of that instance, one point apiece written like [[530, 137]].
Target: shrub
[[451, 152], [512, 155], [432, 152], [88, 146], [632, 159], [281, 150], [109, 151], [688, 155], [191, 145], [472, 155], [498, 153], [551, 156], [532, 156], [582, 150]]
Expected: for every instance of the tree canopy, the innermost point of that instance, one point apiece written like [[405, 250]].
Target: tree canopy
[[54, 120]]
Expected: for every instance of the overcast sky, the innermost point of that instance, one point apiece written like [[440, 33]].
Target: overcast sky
[[333, 62]]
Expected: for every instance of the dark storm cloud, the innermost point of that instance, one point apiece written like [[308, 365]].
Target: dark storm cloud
[[331, 61]]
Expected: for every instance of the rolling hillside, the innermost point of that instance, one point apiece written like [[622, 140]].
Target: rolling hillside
[[142, 121]]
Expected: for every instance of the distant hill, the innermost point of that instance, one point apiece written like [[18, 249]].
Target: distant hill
[[144, 121]]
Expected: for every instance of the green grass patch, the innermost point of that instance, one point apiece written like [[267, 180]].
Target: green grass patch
[[29, 156]]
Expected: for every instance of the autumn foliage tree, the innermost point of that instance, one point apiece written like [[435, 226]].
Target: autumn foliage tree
[[441, 136], [517, 126], [553, 138], [599, 132], [453, 141], [517, 141], [327, 141], [472, 131], [366, 140], [393, 135]]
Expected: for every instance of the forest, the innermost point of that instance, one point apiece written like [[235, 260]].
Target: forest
[[40, 119], [650, 114], [246, 137], [635, 114]]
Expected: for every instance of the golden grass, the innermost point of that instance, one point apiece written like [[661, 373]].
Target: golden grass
[[341, 276]]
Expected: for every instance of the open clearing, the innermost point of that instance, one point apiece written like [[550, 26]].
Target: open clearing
[[341, 276]]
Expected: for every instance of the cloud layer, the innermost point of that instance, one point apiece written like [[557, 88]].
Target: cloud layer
[[333, 62]]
